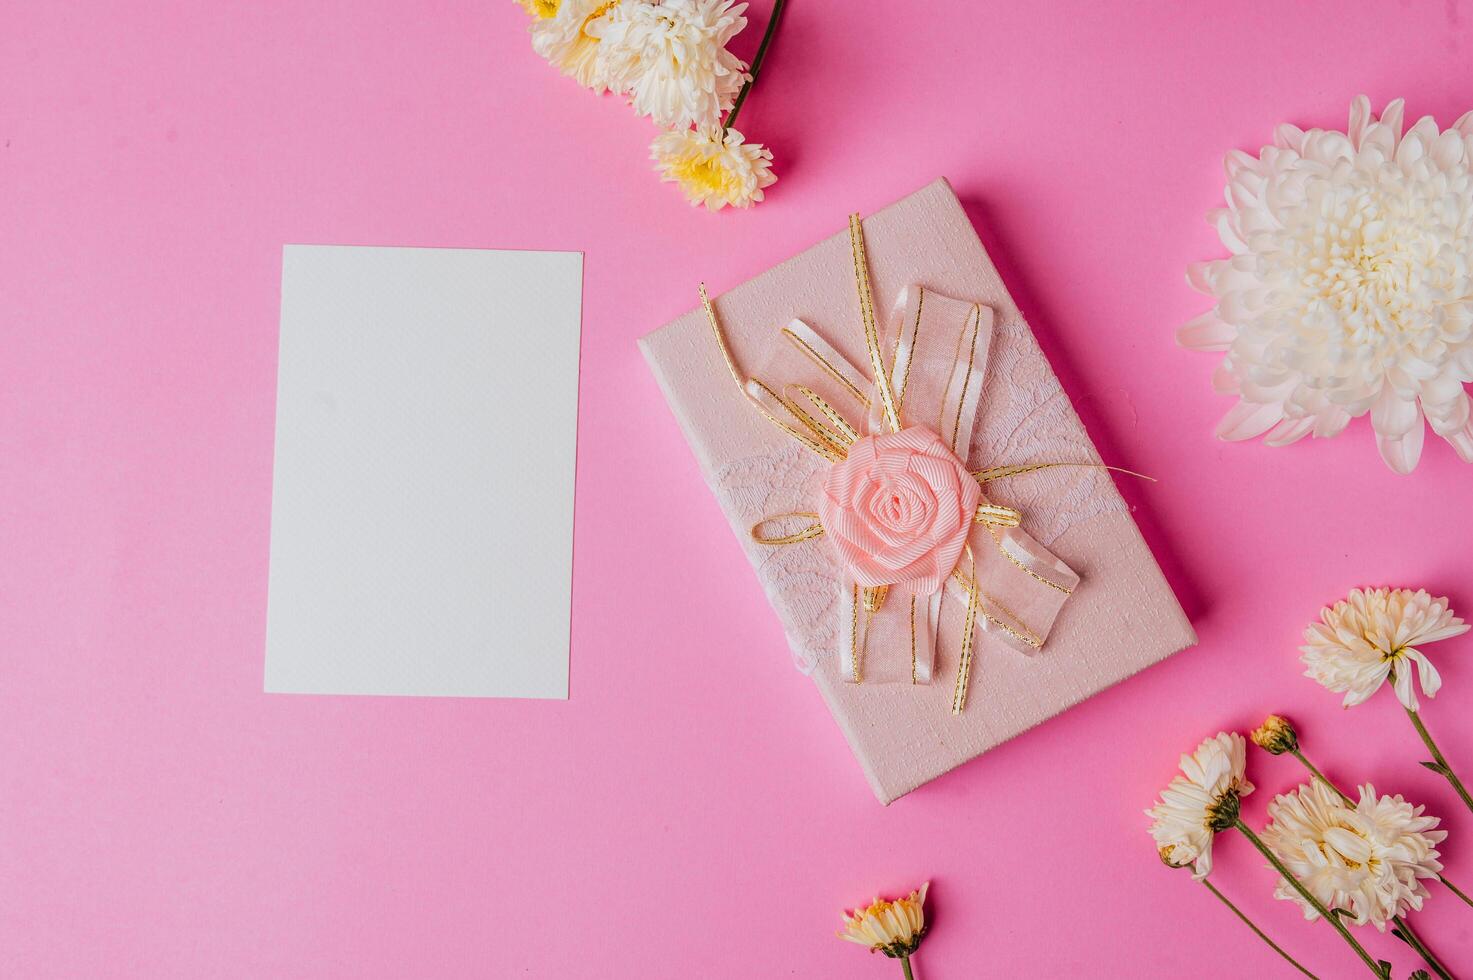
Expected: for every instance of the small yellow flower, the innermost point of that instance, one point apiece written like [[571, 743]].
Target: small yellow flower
[[1276, 735], [541, 9], [714, 169], [893, 928]]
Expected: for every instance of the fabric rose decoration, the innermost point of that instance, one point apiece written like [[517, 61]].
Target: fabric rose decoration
[[899, 509]]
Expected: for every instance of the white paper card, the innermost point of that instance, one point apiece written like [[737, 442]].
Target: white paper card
[[422, 505]]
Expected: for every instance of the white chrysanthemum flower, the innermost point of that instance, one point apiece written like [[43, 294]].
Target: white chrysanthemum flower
[[1369, 859], [670, 59], [893, 928], [713, 170], [1350, 285], [1361, 639], [568, 40], [1201, 802]]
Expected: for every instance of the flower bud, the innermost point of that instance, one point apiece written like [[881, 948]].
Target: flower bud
[[1276, 735], [1168, 856]]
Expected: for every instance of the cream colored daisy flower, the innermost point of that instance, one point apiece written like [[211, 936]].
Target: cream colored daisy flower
[[568, 40], [893, 928], [1360, 640], [713, 170], [1201, 802], [1370, 859], [670, 59]]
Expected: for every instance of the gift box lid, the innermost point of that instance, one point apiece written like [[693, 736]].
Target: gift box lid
[[1121, 618]]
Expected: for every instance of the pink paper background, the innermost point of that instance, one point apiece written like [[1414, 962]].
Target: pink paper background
[[692, 811]]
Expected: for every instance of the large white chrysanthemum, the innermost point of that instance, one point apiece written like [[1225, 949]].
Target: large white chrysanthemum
[[714, 169], [1369, 859], [670, 59], [1350, 284], [1362, 638], [569, 41], [1201, 802]]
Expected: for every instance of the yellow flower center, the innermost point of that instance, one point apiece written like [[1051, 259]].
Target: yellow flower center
[[1349, 844], [705, 174], [597, 13]]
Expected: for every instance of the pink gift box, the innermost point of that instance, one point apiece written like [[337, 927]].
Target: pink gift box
[[1121, 617]]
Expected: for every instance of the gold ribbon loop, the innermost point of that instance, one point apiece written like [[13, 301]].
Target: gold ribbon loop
[[813, 437], [813, 530]]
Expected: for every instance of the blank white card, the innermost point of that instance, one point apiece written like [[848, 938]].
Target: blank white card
[[422, 504]]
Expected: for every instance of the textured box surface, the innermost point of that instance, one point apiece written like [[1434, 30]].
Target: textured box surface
[[1123, 616]]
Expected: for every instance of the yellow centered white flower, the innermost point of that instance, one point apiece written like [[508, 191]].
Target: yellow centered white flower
[[893, 928], [1201, 802], [569, 41], [1361, 639], [1369, 859], [1350, 284], [712, 170], [670, 59]]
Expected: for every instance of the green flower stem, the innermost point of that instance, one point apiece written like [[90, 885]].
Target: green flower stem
[[1438, 757], [1260, 933], [1321, 776], [1415, 942], [1315, 903], [736, 107], [905, 965], [1455, 890]]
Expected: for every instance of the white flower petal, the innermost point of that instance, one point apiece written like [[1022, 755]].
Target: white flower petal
[[1405, 692], [1402, 452], [1206, 332], [1289, 431], [1360, 119], [1461, 441], [1427, 674], [1246, 420]]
